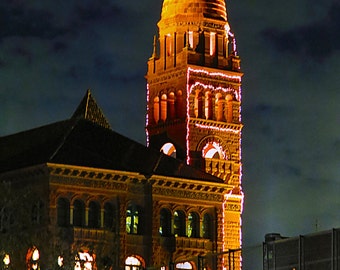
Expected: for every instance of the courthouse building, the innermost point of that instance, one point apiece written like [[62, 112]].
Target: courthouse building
[[78, 195]]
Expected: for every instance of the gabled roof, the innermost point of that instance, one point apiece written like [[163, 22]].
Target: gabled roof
[[81, 142], [89, 109]]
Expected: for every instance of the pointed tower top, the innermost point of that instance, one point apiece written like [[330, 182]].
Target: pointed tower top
[[88, 109]]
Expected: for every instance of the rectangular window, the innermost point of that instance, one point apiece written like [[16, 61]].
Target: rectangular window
[[212, 43]]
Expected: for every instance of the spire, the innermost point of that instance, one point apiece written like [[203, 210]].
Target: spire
[[88, 109]]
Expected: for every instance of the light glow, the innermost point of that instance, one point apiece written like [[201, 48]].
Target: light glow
[[217, 128]]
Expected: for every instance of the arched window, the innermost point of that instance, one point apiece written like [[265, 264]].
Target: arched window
[[184, 265], [78, 213], [37, 212], [219, 107], [165, 222], [94, 215], [108, 216], [169, 149], [132, 263], [229, 108], [179, 223], [63, 212], [198, 104], [156, 109], [164, 107], [193, 225], [179, 104], [133, 219], [213, 150], [208, 105], [207, 226], [171, 104]]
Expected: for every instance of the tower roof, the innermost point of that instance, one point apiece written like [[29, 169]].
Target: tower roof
[[214, 9], [88, 109]]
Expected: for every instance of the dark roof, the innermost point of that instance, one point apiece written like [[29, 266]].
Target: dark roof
[[81, 142], [89, 109]]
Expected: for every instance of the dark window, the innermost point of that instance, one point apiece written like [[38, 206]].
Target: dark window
[[207, 226], [193, 225], [108, 216], [37, 212], [179, 223], [165, 222], [78, 213], [63, 212], [94, 215]]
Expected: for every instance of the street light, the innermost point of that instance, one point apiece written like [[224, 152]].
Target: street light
[[6, 260]]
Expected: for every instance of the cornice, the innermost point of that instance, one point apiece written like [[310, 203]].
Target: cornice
[[216, 125]]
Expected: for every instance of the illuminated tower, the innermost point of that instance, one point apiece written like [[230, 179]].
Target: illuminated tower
[[194, 101]]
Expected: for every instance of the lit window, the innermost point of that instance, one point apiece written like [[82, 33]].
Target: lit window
[[212, 43], [132, 220], [132, 263], [191, 39], [169, 149], [179, 223], [84, 261], [184, 265]]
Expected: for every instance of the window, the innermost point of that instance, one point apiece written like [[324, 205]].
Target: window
[[212, 43], [94, 215], [63, 212], [208, 105], [132, 263], [165, 222], [156, 109], [179, 223], [169, 149], [108, 216], [132, 220], [164, 107], [193, 225], [37, 212], [207, 226], [78, 213]]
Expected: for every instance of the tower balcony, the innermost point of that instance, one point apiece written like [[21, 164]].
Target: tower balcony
[[198, 245], [223, 169]]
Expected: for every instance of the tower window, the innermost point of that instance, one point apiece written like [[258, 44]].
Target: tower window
[[169, 149], [212, 43]]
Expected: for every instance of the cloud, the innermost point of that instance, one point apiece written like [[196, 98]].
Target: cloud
[[22, 22], [317, 40]]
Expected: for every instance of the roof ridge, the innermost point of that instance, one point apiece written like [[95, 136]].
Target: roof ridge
[[89, 109]]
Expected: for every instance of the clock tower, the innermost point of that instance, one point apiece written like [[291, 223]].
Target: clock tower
[[194, 101]]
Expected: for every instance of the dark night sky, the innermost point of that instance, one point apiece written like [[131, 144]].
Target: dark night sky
[[52, 51]]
